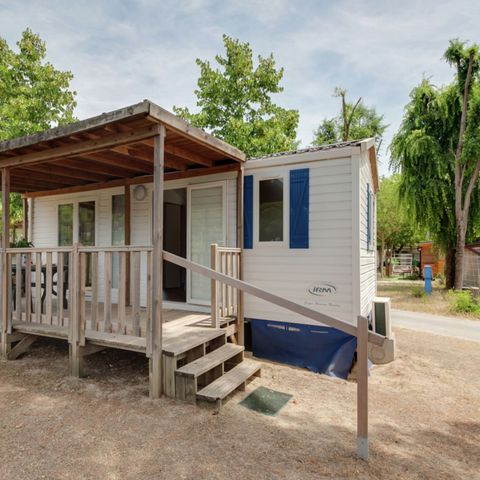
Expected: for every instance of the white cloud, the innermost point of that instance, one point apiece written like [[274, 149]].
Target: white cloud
[[122, 52]]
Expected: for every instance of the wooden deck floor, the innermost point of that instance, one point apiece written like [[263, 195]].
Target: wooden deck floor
[[182, 331]]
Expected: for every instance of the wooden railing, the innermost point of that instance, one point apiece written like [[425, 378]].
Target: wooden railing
[[114, 287], [360, 331], [225, 299], [107, 288], [37, 286]]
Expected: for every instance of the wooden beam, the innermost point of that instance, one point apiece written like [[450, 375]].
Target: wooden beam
[[121, 160], [97, 167], [6, 326], [88, 146], [127, 240], [362, 388], [21, 347], [198, 172], [155, 333], [55, 168], [183, 153], [138, 110], [49, 177], [193, 133]]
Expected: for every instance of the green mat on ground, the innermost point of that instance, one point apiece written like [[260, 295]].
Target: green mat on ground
[[266, 401]]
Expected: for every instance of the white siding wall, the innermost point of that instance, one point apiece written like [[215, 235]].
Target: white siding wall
[[290, 272], [368, 263], [44, 228]]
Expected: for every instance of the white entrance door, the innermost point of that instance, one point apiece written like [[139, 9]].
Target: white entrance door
[[206, 209]]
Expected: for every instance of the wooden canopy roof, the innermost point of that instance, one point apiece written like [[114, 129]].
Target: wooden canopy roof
[[112, 149]]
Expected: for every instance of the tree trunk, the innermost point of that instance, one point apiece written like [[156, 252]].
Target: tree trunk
[[382, 249], [459, 253], [450, 268]]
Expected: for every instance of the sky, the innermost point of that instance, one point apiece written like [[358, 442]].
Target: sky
[[122, 52]]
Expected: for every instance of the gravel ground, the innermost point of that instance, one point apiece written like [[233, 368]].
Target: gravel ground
[[424, 421]]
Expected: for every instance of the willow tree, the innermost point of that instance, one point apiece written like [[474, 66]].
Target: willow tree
[[437, 151]]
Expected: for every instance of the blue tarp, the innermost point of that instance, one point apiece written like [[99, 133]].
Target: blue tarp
[[320, 349]]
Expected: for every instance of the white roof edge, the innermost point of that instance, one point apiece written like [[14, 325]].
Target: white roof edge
[[305, 157]]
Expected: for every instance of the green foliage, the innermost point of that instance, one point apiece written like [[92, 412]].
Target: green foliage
[[21, 243], [355, 121], [34, 96], [463, 302], [395, 226], [236, 105], [418, 292], [423, 150]]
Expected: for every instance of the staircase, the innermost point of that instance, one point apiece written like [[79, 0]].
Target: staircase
[[215, 374]]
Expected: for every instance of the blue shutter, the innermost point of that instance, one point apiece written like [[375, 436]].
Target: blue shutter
[[248, 211], [299, 207], [368, 218]]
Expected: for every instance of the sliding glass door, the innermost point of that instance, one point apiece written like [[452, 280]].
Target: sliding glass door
[[206, 207]]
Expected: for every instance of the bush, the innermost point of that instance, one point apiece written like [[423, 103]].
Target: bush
[[21, 243], [463, 302], [418, 292]]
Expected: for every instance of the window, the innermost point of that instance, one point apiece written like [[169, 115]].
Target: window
[[118, 219], [271, 210], [86, 223], [118, 234], [370, 217], [65, 225]]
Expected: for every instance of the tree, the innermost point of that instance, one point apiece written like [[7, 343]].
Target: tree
[[355, 121], [34, 96], [437, 151], [236, 105], [395, 228]]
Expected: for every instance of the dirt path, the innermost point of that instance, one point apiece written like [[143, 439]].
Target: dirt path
[[424, 411]]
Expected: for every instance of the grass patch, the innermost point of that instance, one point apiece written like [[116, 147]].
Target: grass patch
[[463, 302], [408, 295]]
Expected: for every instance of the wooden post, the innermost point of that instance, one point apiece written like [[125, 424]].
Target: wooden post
[[214, 287], [240, 294], [127, 240], [74, 337], [362, 388], [155, 333], [6, 321], [25, 217]]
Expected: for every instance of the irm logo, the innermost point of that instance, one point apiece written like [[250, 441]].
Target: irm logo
[[322, 289]]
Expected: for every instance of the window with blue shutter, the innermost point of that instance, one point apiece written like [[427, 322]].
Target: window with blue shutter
[[369, 222], [248, 211], [299, 207]]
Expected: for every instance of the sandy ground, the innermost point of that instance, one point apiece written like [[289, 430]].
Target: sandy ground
[[424, 421]]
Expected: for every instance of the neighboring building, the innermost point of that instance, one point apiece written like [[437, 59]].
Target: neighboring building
[[471, 273], [430, 255]]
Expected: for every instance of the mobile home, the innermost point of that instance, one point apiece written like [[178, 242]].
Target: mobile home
[[310, 236], [150, 235]]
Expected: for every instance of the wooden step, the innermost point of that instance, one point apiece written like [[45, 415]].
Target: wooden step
[[230, 381], [208, 362]]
